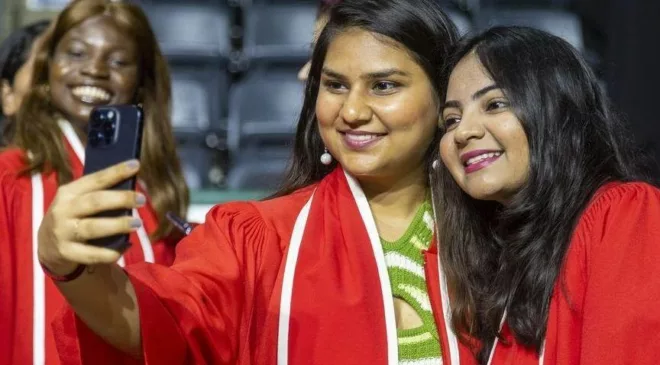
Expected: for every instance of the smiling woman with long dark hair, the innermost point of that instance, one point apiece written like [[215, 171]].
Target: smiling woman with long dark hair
[[550, 235]]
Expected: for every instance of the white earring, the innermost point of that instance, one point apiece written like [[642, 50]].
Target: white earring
[[435, 164], [326, 157]]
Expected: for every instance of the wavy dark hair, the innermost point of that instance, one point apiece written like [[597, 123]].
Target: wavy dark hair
[[419, 25], [509, 257]]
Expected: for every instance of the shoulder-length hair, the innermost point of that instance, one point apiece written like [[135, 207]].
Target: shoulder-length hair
[[37, 131], [499, 258], [419, 25]]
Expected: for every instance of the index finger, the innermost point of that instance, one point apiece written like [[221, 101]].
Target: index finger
[[106, 178]]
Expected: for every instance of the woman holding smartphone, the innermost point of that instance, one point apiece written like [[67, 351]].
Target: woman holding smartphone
[[338, 268], [96, 53]]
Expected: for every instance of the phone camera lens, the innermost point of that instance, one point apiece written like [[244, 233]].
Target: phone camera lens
[[109, 127]]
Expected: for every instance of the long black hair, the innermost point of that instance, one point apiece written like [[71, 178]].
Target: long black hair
[[419, 25], [499, 258]]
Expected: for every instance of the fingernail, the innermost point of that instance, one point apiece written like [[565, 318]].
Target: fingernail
[[132, 164], [136, 223], [140, 200]]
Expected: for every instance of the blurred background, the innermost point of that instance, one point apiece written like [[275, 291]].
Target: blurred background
[[234, 67]]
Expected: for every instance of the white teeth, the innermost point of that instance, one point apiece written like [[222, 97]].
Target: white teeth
[[91, 94], [479, 158], [361, 137]]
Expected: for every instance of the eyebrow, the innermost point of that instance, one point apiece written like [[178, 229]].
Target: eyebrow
[[479, 93], [369, 76]]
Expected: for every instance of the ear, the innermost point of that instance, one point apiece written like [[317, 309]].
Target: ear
[[9, 104]]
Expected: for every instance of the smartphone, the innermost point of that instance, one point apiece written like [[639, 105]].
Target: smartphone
[[115, 135]]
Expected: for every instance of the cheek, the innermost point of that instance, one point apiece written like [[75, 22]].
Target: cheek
[[402, 114], [446, 150], [517, 143], [327, 110], [126, 85], [56, 72], [57, 85]]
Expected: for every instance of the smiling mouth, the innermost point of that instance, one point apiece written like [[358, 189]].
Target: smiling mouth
[[481, 161], [92, 95], [482, 157], [358, 141]]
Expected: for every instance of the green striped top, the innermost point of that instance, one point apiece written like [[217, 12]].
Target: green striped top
[[405, 266]]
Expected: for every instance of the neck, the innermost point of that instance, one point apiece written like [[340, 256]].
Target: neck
[[395, 201], [80, 129]]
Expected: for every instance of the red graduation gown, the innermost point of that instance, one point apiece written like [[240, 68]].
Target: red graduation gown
[[608, 311], [28, 300], [229, 298]]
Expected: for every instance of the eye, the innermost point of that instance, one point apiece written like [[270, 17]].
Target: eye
[[75, 52], [385, 86], [496, 105], [334, 86], [119, 63], [451, 121]]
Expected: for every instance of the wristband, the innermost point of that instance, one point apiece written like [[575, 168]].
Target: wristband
[[63, 278]]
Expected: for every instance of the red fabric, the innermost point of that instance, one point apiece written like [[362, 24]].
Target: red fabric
[[336, 288], [609, 310], [219, 303], [16, 279]]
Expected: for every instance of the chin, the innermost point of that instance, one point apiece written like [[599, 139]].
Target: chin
[[360, 171], [360, 166], [487, 193]]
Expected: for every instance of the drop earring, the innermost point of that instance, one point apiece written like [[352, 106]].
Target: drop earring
[[435, 164], [326, 157]]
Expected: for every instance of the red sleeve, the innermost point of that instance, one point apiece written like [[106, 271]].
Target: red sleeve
[[192, 312], [621, 312]]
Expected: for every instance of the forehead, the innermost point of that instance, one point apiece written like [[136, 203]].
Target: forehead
[[359, 51], [99, 31], [468, 76]]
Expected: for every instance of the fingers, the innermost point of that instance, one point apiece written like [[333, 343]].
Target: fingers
[[89, 255], [105, 178], [102, 201], [91, 228]]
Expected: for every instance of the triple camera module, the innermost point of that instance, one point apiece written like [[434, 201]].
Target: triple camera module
[[103, 127]]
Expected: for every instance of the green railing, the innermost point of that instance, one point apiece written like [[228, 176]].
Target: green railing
[[205, 197]]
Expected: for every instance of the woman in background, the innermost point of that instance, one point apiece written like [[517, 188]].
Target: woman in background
[[97, 53], [322, 15], [16, 65], [550, 236]]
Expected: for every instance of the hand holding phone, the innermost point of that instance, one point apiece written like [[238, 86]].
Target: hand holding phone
[[115, 135]]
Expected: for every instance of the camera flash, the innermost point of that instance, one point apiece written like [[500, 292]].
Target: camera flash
[[111, 114]]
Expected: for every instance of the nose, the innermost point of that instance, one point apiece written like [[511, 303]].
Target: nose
[[468, 128], [356, 109], [96, 67]]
